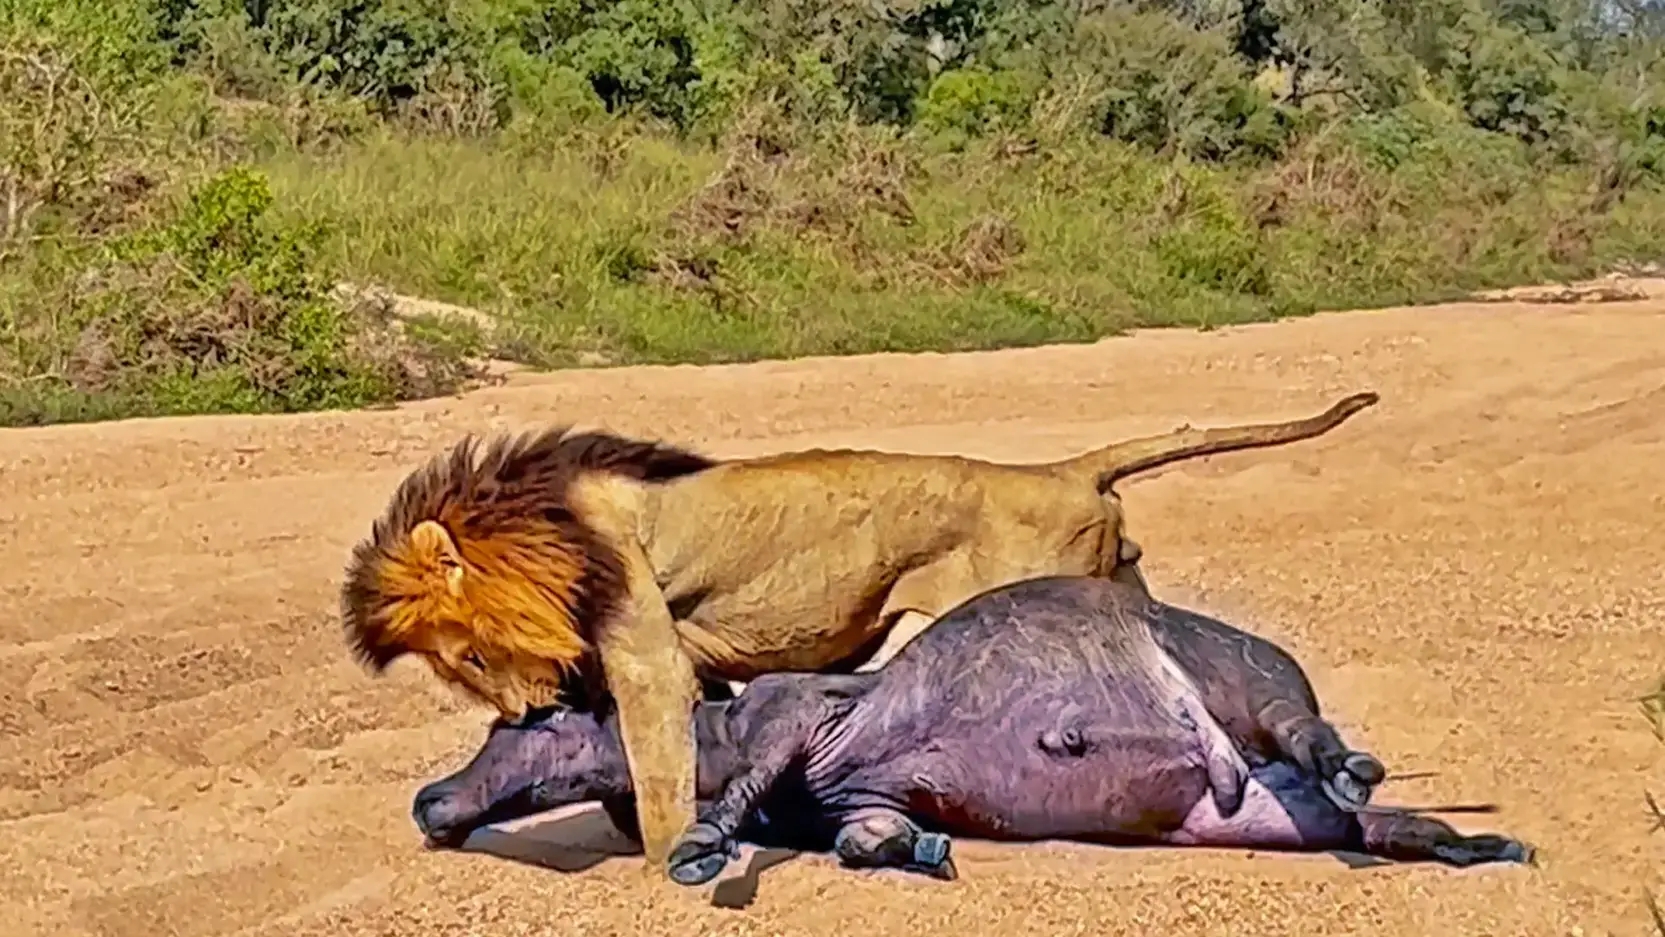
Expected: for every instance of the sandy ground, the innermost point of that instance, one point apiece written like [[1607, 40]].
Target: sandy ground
[[1470, 571]]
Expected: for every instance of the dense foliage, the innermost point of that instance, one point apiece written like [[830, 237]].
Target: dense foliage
[[182, 182]]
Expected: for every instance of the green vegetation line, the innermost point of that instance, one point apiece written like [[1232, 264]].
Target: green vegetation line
[[184, 183]]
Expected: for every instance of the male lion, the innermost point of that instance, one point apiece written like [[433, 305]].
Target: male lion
[[606, 572]]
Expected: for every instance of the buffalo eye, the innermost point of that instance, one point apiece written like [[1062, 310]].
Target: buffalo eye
[[1073, 742]]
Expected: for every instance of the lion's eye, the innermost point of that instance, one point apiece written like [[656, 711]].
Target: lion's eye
[[472, 659]]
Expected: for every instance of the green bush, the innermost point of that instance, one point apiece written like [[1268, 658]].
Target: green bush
[[1509, 82], [633, 54], [1208, 241], [556, 97], [1165, 86], [218, 309], [624, 180], [973, 101]]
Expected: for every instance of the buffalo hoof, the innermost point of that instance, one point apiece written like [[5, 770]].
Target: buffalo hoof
[[1486, 848], [931, 857], [1365, 768], [1351, 787], [701, 855]]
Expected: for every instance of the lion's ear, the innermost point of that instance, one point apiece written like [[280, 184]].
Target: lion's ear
[[433, 541]]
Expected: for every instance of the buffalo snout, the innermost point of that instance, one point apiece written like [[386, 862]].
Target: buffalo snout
[[443, 812]]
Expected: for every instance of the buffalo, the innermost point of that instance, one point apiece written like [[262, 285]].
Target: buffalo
[[1053, 708]]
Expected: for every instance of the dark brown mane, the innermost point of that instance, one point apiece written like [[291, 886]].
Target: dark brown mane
[[514, 488]]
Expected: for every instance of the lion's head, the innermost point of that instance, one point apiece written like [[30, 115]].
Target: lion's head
[[481, 566]]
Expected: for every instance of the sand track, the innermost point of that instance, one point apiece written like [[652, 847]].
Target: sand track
[[1471, 571]]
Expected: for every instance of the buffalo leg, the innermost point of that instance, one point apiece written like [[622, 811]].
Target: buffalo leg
[[882, 838], [1409, 837], [789, 711], [1287, 808], [708, 845], [1265, 701], [1315, 745]]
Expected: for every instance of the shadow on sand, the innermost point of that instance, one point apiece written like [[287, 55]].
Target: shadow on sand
[[580, 837]]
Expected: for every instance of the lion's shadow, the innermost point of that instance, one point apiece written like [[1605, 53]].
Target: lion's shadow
[[581, 837]]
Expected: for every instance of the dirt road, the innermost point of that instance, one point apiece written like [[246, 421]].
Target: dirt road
[[1471, 571]]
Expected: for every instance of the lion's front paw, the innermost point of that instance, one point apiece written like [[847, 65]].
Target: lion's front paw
[[701, 853]]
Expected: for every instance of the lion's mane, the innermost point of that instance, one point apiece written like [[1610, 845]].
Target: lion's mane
[[540, 579]]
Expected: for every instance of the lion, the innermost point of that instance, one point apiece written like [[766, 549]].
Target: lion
[[588, 569]]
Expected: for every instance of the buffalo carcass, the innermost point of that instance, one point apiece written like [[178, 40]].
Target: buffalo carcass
[[1053, 708]]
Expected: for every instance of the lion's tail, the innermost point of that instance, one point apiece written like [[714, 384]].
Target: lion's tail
[[1119, 460]]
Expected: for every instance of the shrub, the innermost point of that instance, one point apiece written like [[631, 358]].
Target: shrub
[[624, 180], [218, 309], [972, 101], [1166, 86]]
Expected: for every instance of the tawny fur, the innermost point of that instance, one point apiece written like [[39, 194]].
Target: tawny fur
[[505, 567], [536, 578]]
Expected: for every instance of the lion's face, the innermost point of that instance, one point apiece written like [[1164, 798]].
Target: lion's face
[[490, 616], [513, 683]]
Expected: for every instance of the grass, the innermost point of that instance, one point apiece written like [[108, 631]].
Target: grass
[[609, 247], [722, 205], [600, 249], [192, 270], [1652, 706]]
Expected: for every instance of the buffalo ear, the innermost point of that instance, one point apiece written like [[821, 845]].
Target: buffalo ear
[[433, 542]]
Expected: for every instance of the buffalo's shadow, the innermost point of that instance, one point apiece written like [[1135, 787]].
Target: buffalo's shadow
[[580, 837], [1357, 861], [574, 838]]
